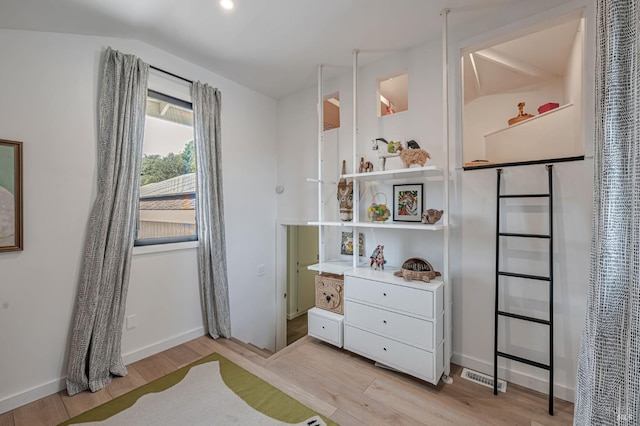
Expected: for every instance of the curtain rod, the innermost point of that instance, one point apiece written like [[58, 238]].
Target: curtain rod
[[171, 74]]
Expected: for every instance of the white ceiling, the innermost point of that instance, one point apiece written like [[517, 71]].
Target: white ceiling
[[522, 62], [272, 46]]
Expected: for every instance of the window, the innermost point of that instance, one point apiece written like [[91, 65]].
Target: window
[[331, 111], [167, 208], [394, 94]]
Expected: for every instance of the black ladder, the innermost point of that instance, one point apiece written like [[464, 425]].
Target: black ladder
[[549, 279]]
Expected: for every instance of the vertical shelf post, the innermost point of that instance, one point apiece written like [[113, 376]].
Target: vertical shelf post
[[356, 184], [445, 149], [320, 112]]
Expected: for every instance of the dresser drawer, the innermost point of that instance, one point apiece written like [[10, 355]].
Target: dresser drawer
[[408, 359], [407, 299], [408, 329], [326, 326]]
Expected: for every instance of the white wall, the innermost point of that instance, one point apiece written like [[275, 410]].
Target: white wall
[[473, 271], [573, 76], [473, 195], [49, 89]]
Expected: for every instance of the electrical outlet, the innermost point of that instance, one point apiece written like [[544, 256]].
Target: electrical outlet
[[260, 270], [132, 322]]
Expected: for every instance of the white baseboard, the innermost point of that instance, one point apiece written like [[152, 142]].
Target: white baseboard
[[35, 393], [49, 388], [514, 376], [162, 345]]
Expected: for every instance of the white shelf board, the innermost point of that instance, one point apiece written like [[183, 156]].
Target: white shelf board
[[330, 224], [385, 225], [338, 267], [397, 225], [397, 174]]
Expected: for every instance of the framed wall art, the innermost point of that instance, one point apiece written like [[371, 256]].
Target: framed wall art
[[407, 202], [10, 196], [346, 246]]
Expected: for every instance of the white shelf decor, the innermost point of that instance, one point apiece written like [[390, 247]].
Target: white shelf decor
[[398, 174], [411, 331], [337, 267], [385, 225]]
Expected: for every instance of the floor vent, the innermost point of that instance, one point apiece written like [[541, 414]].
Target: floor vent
[[483, 379]]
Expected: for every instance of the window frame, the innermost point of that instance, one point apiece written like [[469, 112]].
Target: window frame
[[142, 242]]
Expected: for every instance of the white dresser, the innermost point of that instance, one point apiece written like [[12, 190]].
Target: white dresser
[[395, 322]]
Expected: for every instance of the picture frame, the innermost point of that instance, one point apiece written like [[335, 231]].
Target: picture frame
[[11, 196], [408, 200], [346, 244]]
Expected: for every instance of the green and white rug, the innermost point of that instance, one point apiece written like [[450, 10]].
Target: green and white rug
[[212, 391]]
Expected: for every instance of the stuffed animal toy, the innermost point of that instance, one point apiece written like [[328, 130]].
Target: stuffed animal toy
[[431, 216], [414, 156]]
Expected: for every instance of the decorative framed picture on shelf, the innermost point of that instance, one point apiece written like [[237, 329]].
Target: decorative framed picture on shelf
[[10, 196], [346, 246], [407, 202]]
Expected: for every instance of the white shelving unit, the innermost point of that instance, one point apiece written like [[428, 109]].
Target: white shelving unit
[[354, 267]]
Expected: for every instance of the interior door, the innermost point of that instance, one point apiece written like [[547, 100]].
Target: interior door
[[307, 255]]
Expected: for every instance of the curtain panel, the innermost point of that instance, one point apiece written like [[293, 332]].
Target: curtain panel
[[95, 352], [608, 381], [212, 258]]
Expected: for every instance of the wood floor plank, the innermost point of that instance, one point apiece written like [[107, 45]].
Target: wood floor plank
[[332, 382], [290, 348], [345, 419], [244, 351], [326, 361], [6, 419], [121, 385], [84, 401], [342, 396], [291, 389], [536, 405], [43, 412], [203, 345], [154, 367], [181, 355], [418, 406]]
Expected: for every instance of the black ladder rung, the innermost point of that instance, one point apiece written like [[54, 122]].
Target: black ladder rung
[[523, 196], [527, 276], [514, 234], [524, 360], [524, 318]]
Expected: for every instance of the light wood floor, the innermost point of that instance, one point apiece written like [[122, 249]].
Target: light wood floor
[[342, 386]]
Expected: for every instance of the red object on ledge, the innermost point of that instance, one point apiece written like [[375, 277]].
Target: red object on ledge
[[547, 107]]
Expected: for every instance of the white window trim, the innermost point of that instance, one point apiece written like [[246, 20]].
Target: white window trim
[[159, 248]]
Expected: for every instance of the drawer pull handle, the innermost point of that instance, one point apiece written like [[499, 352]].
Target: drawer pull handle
[[323, 326], [384, 294], [384, 321], [384, 349]]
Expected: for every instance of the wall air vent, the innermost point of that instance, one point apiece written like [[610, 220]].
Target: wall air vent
[[483, 379]]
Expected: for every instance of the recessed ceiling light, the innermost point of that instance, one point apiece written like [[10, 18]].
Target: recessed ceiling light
[[227, 4]]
